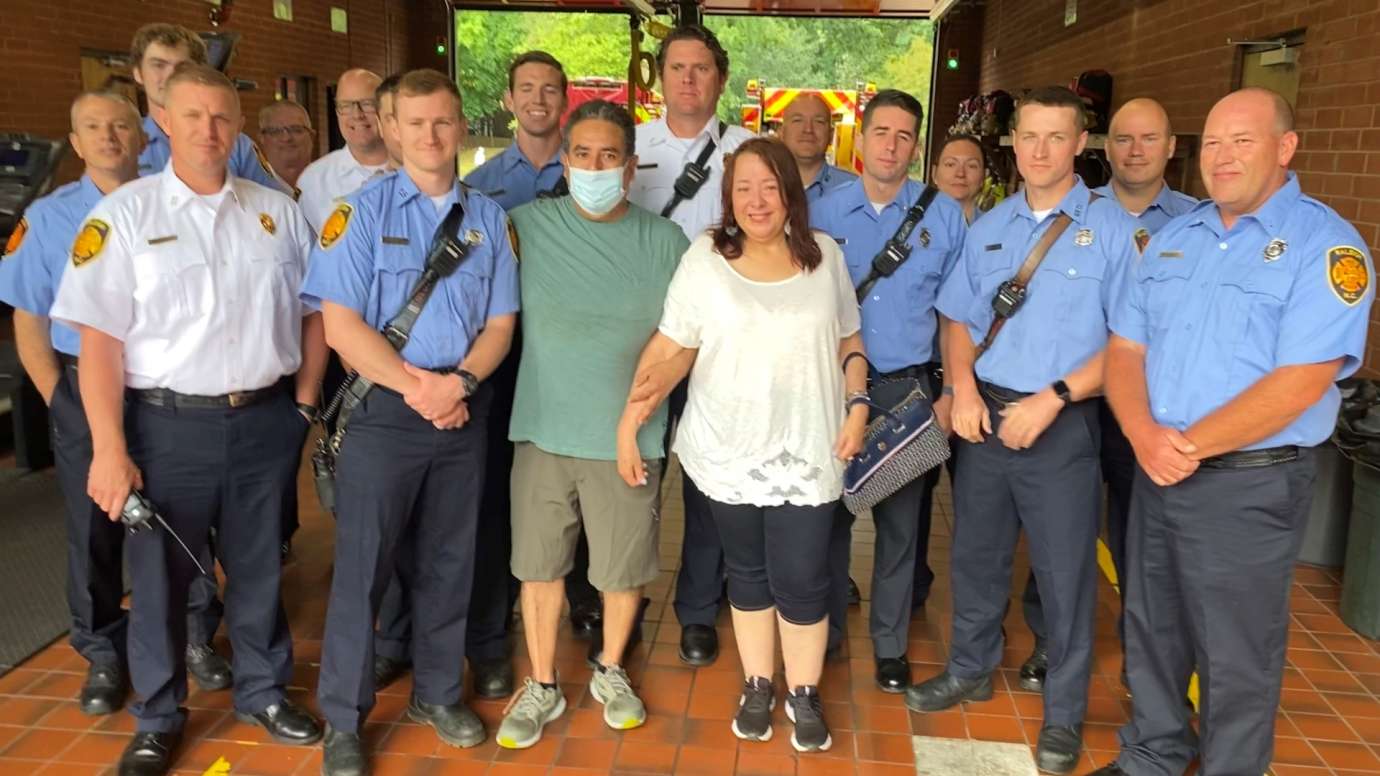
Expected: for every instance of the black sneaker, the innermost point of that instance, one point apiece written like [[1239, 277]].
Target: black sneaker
[[753, 720], [805, 710]]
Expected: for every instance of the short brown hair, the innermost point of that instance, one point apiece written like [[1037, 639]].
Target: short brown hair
[[283, 104], [1053, 97], [199, 73], [694, 32], [425, 81], [536, 58], [728, 237], [170, 35]]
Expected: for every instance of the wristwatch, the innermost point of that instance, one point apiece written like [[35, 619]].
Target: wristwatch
[[469, 381], [1061, 389]]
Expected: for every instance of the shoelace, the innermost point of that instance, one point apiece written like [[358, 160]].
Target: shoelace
[[757, 695], [803, 700], [525, 701], [617, 678]]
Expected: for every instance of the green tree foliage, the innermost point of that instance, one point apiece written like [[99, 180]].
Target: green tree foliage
[[796, 52]]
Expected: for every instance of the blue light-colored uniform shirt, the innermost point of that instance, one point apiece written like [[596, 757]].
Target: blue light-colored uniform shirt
[[1063, 321], [510, 179], [372, 266], [1168, 205], [898, 314], [1217, 309], [29, 277], [828, 179], [246, 160]]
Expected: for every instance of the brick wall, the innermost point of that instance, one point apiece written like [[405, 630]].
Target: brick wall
[[1176, 51], [41, 42], [961, 29]]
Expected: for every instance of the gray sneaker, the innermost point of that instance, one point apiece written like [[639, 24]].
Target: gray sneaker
[[528, 713], [623, 710]]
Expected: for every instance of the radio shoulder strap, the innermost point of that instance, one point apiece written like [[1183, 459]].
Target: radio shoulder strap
[[914, 215], [694, 175], [1027, 271]]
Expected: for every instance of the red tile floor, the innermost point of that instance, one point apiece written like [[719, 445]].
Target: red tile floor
[[1329, 722]]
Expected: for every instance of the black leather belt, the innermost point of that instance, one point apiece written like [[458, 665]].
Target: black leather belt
[[999, 394], [915, 371], [1252, 459], [163, 397]]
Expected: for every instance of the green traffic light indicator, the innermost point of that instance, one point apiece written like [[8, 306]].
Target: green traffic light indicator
[[952, 63]]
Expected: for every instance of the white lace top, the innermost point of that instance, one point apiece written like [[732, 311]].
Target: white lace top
[[766, 391]]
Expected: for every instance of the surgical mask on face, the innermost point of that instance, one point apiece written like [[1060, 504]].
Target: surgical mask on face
[[596, 191]]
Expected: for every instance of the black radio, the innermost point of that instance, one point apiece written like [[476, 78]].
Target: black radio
[[1008, 299]]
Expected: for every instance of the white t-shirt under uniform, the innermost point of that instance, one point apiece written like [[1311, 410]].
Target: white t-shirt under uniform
[[766, 391]]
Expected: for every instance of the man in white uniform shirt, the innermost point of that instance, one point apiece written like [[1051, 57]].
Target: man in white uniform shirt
[[694, 69], [183, 286], [344, 170]]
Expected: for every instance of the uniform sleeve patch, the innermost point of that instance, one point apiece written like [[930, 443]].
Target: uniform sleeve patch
[[513, 241], [263, 160], [90, 240], [336, 225], [1347, 273], [1142, 238], [17, 236]]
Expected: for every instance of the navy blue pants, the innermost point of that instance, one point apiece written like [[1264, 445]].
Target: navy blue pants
[[231, 470], [1211, 561], [1118, 471], [1050, 491], [401, 482], [95, 546], [777, 556]]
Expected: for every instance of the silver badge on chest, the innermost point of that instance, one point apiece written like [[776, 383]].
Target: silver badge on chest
[[924, 238], [1084, 238], [1275, 249], [474, 236]]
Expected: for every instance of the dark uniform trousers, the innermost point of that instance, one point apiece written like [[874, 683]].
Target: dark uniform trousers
[[900, 568], [1050, 491], [700, 582], [401, 483], [232, 470], [1118, 471], [95, 545], [1211, 561]]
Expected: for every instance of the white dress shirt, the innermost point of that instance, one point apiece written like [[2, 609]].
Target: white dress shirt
[[330, 179], [661, 157], [202, 290]]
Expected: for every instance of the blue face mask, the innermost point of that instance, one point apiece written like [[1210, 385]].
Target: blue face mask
[[596, 191]]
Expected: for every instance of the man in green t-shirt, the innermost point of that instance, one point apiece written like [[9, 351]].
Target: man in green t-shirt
[[594, 271]]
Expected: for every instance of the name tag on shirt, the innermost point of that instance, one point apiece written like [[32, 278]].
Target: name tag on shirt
[[1171, 254], [161, 240], [993, 247], [651, 166], [396, 241]]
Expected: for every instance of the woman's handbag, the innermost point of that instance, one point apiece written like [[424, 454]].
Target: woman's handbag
[[902, 443]]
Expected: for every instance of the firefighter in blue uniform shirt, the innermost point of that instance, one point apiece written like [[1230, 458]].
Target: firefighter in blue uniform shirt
[[106, 135], [412, 461], [536, 97], [807, 128], [1140, 144], [184, 286], [1028, 450], [1259, 298], [156, 51], [898, 327]]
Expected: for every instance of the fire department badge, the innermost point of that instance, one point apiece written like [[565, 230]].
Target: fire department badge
[[266, 221], [474, 236], [924, 237], [17, 236], [336, 224], [1348, 274], [1084, 238], [1142, 238], [90, 240], [1275, 249]]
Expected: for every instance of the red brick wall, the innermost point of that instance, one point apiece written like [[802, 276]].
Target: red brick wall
[[41, 43], [961, 29], [1176, 51]]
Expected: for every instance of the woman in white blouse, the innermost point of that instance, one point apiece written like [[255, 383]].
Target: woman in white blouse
[[765, 309]]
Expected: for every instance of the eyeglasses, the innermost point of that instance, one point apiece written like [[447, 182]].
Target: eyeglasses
[[350, 106], [282, 133]]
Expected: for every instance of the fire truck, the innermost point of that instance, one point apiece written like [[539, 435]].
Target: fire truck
[[762, 114], [582, 90]]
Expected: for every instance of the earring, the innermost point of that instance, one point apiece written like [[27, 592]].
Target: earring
[[731, 230]]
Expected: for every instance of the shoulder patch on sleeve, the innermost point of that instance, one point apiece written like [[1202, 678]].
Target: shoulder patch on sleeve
[[263, 160], [17, 236], [513, 240], [1347, 273], [336, 225], [90, 240]]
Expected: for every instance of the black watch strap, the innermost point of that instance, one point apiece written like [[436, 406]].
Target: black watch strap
[[470, 382], [1061, 389]]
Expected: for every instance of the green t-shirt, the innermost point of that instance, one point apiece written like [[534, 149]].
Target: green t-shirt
[[592, 295]]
